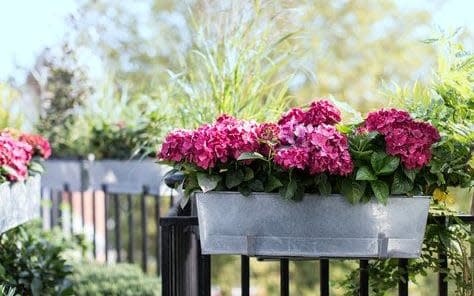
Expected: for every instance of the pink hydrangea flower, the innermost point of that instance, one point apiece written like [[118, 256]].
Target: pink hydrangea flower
[[330, 151], [40, 145], [295, 115], [15, 155], [321, 112], [404, 137], [268, 137], [292, 157], [177, 146]]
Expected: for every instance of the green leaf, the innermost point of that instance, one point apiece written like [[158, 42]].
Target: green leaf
[[251, 155], [365, 174], [380, 189], [256, 185], [272, 184], [353, 190], [411, 174], [289, 191], [248, 174], [208, 182], [384, 164], [36, 167], [401, 183], [234, 178], [245, 190], [364, 155], [324, 187]]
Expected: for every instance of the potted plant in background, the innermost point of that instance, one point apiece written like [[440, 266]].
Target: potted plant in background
[[355, 190], [20, 168]]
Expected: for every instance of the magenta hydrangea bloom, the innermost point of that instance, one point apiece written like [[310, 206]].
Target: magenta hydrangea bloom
[[404, 137], [268, 137], [292, 157], [40, 145], [330, 151], [227, 138], [295, 115], [15, 155], [321, 112]]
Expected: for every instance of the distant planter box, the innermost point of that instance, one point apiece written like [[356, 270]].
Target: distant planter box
[[19, 202], [263, 224], [120, 175]]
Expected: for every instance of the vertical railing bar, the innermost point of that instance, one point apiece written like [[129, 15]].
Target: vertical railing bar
[[41, 209], [403, 281], [130, 228], [245, 275], [52, 217], [144, 228], [82, 188], [106, 208], [69, 201], [284, 277], [324, 277], [59, 211], [205, 275], [443, 265], [166, 259], [118, 243], [94, 226], [364, 277], [158, 238]]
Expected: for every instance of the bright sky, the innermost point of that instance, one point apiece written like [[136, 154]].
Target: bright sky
[[27, 26]]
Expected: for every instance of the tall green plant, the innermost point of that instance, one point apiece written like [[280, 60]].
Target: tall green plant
[[8, 116], [232, 69]]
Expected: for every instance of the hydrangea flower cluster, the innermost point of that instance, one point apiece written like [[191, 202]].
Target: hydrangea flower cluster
[[15, 156], [17, 153], [224, 140], [306, 140], [404, 137], [40, 145], [310, 141]]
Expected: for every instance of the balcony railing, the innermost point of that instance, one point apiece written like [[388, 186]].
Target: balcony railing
[[187, 272]]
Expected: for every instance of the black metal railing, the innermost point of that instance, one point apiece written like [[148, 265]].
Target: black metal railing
[[126, 222], [187, 272]]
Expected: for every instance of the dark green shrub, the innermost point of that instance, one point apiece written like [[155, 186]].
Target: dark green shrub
[[113, 280], [32, 261]]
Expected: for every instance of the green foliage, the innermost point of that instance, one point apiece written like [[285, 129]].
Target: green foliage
[[5, 291], [113, 280], [32, 261], [449, 105], [9, 119], [451, 239]]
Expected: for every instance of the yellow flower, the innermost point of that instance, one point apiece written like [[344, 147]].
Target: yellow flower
[[443, 196]]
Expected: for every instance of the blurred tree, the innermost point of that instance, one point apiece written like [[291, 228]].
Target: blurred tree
[[62, 88], [344, 48]]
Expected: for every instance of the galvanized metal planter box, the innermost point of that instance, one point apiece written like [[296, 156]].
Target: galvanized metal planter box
[[319, 226], [19, 202]]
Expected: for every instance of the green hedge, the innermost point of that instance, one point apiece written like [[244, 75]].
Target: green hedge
[[113, 280]]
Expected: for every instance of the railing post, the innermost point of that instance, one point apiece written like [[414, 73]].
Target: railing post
[[403, 281], [443, 266], [158, 239], [144, 229], [245, 275], [106, 209], [284, 277], [130, 228], [118, 238], [166, 259], [364, 277], [324, 277]]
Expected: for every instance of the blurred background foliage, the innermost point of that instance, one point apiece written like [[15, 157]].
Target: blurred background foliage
[[128, 72]]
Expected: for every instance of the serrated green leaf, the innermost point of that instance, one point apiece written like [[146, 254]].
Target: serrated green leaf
[[272, 184], [36, 167], [251, 155], [380, 189], [256, 185], [384, 164], [207, 182], [411, 174], [365, 174], [234, 178], [325, 187], [353, 190], [401, 184], [248, 174], [288, 192], [245, 190]]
